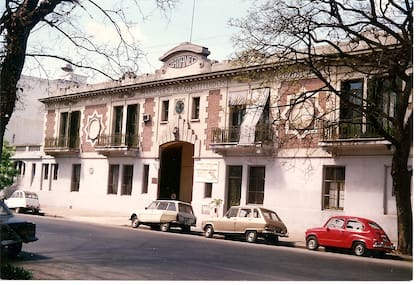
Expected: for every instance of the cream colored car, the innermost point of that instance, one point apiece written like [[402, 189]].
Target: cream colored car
[[251, 221], [165, 214]]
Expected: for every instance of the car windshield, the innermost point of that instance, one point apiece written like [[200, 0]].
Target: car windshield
[[270, 215], [4, 211]]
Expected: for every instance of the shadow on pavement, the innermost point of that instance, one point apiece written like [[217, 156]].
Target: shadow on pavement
[[226, 237], [29, 212], [368, 255], [26, 256], [30, 256]]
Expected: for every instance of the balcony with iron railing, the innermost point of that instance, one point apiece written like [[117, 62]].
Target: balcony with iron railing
[[347, 130], [347, 136], [63, 145], [117, 144], [227, 140]]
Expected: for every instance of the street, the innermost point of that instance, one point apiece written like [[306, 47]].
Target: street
[[81, 251]]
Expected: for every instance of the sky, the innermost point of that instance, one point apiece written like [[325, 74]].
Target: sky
[[209, 29], [157, 32]]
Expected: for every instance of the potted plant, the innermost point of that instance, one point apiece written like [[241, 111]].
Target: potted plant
[[216, 204]]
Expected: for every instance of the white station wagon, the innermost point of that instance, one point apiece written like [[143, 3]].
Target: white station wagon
[[165, 214]]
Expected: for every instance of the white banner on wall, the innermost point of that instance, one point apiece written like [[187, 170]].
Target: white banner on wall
[[206, 171]]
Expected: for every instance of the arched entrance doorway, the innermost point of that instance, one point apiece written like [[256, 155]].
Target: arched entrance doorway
[[176, 171]]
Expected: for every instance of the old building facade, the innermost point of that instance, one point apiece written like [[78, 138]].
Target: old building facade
[[198, 130]]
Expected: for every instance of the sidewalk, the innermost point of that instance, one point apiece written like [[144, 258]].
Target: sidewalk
[[116, 219], [89, 216]]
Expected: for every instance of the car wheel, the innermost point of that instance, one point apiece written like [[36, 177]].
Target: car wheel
[[359, 249], [135, 223], [251, 236], [164, 227], [18, 210], [208, 231], [312, 243]]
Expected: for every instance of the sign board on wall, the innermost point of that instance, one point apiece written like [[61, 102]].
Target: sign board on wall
[[206, 171]]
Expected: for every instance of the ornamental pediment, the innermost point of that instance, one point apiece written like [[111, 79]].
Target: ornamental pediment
[[185, 58], [185, 48]]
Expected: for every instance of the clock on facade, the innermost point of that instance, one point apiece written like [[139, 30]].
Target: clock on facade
[[179, 106]]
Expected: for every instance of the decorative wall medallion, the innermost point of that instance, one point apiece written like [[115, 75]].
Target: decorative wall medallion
[[301, 116], [94, 127]]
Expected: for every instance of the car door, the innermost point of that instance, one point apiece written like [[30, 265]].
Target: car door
[[334, 233], [243, 220], [149, 215], [354, 229], [165, 212], [227, 222], [15, 200]]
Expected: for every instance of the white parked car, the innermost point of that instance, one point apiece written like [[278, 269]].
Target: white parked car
[[22, 201], [165, 214]]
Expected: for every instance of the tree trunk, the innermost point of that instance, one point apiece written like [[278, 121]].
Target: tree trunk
[[402, 186], [2, 131], [10, 71]]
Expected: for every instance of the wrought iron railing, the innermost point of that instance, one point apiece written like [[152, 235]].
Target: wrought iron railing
[[347, 130], [67, 142], [118, 140], [232, 134]]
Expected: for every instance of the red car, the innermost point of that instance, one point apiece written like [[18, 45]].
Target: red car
[[357, 234]]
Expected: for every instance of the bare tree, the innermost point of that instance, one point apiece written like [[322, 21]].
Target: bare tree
[[22, 18], [329, 38]]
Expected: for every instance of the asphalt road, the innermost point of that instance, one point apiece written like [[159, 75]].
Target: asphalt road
[[81, 251]]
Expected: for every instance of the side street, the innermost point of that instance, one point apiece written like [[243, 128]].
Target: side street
[[113, 219]]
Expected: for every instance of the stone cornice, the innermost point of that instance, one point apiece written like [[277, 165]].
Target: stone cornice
[[117, 89], [225, 71]]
